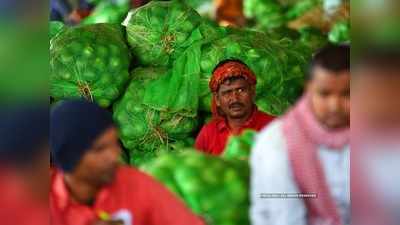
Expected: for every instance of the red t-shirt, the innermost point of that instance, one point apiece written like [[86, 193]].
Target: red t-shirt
[[214, 135], [134, 197]]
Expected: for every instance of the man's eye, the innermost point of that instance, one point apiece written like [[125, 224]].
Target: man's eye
[[324, 93]]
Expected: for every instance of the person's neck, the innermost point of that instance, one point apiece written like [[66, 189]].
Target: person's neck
[[236, 124], [81, 191]]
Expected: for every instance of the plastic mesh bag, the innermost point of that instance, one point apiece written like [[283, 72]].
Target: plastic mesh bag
[[90, 61], [159, 31]]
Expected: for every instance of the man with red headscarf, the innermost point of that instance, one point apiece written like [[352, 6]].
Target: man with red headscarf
[[233, 87]]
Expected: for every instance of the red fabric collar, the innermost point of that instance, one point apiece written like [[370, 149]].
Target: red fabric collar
[[61, 194], [222, 124]]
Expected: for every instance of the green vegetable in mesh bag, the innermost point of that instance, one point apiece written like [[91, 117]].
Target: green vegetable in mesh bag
[[205, 183], [268, 14], [108, 12], [313, 38], [340, 32], [90, 61], [143, 129], [239, 147], [55, 27], [159, 31], [278, 65], [178, 93]]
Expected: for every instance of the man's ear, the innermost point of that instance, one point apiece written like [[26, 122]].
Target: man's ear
[[217, 101], [253, 92], [308, 86]]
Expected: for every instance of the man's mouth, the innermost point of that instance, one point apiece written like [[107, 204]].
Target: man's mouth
[[236, 106]]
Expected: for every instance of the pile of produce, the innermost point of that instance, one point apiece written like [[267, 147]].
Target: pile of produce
[[90, 61], [154, 75], [205, 183], [275, 15]]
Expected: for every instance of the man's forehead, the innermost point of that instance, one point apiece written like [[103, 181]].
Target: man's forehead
[[323, 76], [233, 82]]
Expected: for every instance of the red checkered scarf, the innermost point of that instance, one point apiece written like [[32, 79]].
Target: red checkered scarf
[[303, 135], [223, 72]]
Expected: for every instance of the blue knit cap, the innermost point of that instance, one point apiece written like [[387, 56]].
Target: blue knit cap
[[74, 126]]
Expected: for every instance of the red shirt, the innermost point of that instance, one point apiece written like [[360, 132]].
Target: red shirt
[[214, 135], [133, 195]]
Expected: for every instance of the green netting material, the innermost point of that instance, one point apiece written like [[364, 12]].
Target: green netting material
[[90, 61], [178, 93], [142, 129], [239, 147], [159, 31], [55, 27]]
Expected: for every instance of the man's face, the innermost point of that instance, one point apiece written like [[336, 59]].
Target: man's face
[[99, 164], [330, 97], [235, 98]]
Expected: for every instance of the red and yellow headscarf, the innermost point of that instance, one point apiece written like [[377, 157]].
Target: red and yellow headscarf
[[224, 71]]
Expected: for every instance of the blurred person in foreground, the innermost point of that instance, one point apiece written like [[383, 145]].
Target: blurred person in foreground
[[24, 165], [89, 187], [375, 116], [233, 86], [307, 152]]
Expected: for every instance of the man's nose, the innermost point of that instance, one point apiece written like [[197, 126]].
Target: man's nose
[[334, 104]]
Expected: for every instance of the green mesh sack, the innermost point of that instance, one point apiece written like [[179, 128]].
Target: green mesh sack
[[159, 31], [142, 129], [108, 12], [313, 38], [90, 61], [179, 92], [278, 64], [205, 183], [239, 147], [55, 27], [340, 32], [267, 14]]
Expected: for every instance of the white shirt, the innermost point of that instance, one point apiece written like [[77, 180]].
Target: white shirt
[[272, 173]]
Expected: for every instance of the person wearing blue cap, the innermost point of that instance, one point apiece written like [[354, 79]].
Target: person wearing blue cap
[[90, 187]]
